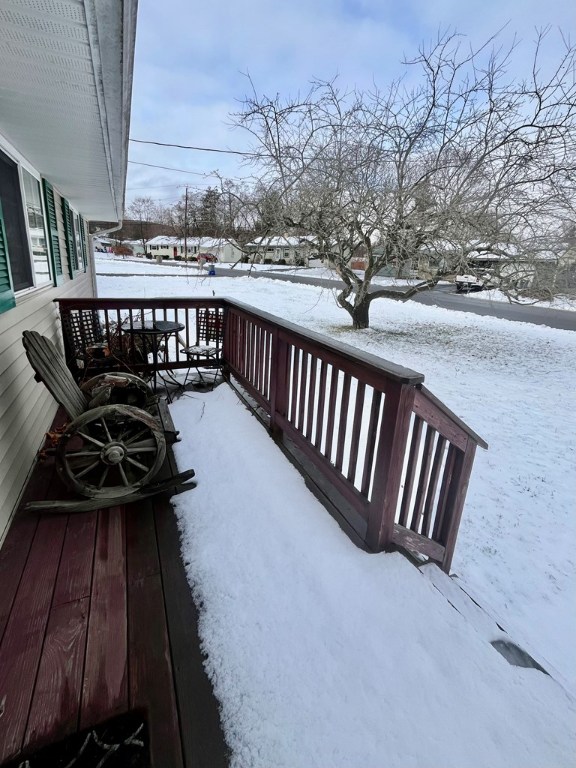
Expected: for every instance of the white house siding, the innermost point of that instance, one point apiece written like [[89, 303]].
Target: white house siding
[[26, 407]]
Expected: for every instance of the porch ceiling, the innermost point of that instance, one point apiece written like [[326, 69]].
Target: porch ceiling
[[65, 90]]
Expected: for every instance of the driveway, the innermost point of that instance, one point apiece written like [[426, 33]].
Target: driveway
[[441, 296]]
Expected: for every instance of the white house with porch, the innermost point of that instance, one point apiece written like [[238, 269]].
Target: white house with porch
[[65, 93], [281, 249], [221, 249]]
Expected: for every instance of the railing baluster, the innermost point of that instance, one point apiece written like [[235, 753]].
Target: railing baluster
[[433, 485], [423, 478], [303, 390], [356, 430], [334, 378], [321, 402], [294, 388], [267, 355], [343, 422], [410, 470], [311, 398], [371, 442], [441, 506]]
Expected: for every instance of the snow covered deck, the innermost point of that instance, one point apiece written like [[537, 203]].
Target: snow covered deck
[[319, 653], [324, 655]]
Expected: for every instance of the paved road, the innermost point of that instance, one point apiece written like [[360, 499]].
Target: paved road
[[442, 296]]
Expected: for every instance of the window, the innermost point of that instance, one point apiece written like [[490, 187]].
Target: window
[[18, 249], [36, 228], [80, 247]]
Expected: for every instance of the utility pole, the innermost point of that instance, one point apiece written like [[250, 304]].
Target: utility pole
[[186, 227]]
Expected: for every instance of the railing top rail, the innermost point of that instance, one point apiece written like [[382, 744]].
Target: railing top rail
[[456, 421], [390, 370], [158, 302]]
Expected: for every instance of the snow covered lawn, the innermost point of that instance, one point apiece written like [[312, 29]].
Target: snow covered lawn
[[311, 634]]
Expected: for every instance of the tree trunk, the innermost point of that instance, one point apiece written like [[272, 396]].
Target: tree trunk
[[361, 315]]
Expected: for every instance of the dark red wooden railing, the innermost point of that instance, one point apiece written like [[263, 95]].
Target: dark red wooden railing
[[389, 458]]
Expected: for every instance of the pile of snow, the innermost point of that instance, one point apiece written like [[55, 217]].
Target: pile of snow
[[322, 655]]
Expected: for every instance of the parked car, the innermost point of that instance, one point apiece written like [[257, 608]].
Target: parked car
[[468, 283]]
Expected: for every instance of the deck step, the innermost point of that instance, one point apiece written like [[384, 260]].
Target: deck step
[[485, 623]]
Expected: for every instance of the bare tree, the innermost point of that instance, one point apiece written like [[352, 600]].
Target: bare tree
[[145, 212], [453, 160]]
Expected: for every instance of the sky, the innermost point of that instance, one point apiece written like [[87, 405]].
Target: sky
[[193, 60]]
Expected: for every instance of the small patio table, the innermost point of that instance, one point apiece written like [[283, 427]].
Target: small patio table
[[152, 332]]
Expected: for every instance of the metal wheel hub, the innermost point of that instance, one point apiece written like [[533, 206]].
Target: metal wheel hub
[[113, 453]]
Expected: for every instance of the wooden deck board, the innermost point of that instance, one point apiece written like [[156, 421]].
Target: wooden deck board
[[18, 541], [22, 643], [151, 685], [99, 619], [150, 664], [74, 579], [105, 689], [202, 738], [56, 702]]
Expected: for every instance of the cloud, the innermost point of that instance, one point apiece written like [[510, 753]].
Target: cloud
[[192, 58]]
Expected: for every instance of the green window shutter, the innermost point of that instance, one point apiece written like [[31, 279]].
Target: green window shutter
[[7, 300], [70, 242], [55, 254]]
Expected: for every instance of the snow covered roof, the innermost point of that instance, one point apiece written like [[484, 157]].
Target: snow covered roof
[[281, 242], [201, 242]]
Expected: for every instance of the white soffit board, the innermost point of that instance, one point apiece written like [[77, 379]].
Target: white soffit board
[[67, 116]]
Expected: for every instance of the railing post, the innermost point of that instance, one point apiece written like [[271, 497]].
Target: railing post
[[278, 382], [455, 502], [398, 402], [227, 342]]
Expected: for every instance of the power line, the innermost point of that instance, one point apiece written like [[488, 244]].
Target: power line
[[166, 168], [198, 149], [157, 186]]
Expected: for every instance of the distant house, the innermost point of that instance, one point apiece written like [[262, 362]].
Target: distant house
[[289, 250], [173, 248], [65, 91]]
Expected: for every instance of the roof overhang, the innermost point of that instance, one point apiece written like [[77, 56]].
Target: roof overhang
[[65, 93]]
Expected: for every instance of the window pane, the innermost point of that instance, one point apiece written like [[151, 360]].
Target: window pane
[[79, 243], [18, 249], [37, 227]]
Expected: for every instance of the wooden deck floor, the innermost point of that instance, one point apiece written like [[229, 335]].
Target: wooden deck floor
[[96, 619]]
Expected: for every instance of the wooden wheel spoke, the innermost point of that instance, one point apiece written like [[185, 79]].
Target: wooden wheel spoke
[[108, 435], [144, 445], [104, 476], [138, 464], [82, 453], [123, 475], [89, 468], [91, 439], [136, 436]]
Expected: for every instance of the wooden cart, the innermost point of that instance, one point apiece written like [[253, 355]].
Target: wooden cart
[[115, 443]]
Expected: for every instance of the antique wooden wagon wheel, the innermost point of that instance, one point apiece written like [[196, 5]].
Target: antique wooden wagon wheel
[[110, 451]]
